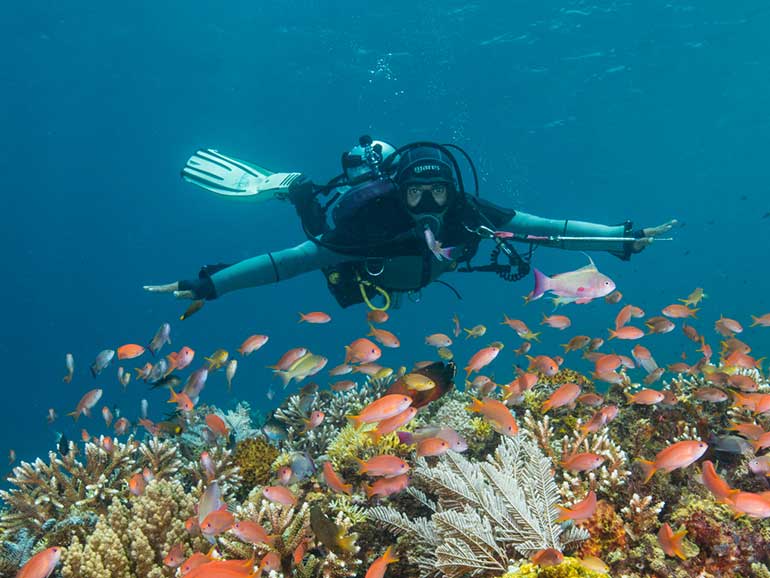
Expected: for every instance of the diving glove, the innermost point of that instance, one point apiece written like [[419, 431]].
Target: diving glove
[[232, 177]]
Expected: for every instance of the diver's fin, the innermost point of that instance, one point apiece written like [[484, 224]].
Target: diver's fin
[[235, 178]]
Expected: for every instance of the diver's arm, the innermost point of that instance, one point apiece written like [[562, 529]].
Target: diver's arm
[[216, 280], [274, 267], [526, 224]]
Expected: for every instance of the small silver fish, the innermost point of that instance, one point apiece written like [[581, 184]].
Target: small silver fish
[[102, 360], [158, 371], [230, 370], [143, 406], [69, 362], [162, 336], [196, 382]]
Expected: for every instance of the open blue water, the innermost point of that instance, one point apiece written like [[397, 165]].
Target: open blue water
[[601, 111]]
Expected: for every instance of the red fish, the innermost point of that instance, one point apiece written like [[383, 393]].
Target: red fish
[[565, 395], [579, 286], [677, 455], [362, 351], [334, 481], [42, 564], [497, 414], [385, 487], [382, 408], [583, 462], [581, 511], [279, 494], [380, 565], [671, 542], [383, 465], [86, 403], [252, 344], [314, 317], [130, 351], [175, 556]]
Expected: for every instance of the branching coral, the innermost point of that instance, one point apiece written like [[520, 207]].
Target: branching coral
[[45, 491], [253, 457], [487, 512], [131, 539]]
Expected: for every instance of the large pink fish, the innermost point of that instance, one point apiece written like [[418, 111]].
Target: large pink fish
[[579, 286]]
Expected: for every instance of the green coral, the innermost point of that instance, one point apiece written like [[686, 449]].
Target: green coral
[[569, 568], [255, 457]]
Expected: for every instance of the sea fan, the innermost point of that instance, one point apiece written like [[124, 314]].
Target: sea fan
[[486, 513]]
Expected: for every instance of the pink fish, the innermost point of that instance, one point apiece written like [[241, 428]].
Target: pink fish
[[677, 455], [88, 401], [42, 564], [579, 286], [441, 253]]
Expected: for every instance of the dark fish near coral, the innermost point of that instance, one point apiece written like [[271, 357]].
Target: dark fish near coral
[[730, 444], [442, 374], [275, 431], [309, 389], [302, 466], [329, 533], [62, 445], [170, 380]]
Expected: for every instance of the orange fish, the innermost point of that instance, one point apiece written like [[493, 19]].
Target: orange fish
[[175, 556], [362, 351], [432, 447], [438, 340], [751, 431], [606, 363], [752, 505], [670, 542], [590, 399], [576, 343], [583, 462], [314, 317], [380, 565], [762, 320], [676, 311], [581, 511], [86, 403], [547, 557], [383, 465], [677, 455], [42, 564], [289, 358], [107, 415], [391, 424], [182, 401], [690, 332], [738, 359], [755, 402], [645, 397], [382, 408], [252, 344], [556, 321], [137, 484], [481, 359], [626, 332], [334, 481], [279, 494], [217, 522], [385, 487], [130, 351], [251, 532], [377, 316], [727, 327], [716, 485], [543, 364], [565, 395], [217, 425], [497, 414], [383, 337]]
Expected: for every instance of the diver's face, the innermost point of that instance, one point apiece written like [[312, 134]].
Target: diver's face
[[414, 194]]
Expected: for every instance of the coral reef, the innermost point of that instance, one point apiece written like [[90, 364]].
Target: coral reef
[[569, 568], [254, 458]]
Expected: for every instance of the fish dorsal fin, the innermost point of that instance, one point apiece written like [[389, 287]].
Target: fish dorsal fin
[[590, 266]]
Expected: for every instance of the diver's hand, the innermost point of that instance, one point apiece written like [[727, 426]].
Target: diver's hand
[[651, 232], [171, 288]]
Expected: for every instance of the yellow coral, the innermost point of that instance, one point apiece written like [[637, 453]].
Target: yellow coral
[[569, 568], [482, 430], [351, 444], [254, 457]]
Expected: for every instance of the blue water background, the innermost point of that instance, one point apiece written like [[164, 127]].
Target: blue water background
[[600, 111]]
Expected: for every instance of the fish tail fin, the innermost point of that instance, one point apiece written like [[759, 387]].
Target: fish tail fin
[[676, 544], [301, 317], [362, 469], [476, 406], [694, 311], [506, 320], [546, 406], [75, 415], [648, 469], [468, 331], [754, 321], [564, 514], [68, 378], [368, 490], [374, 435], [388, 556], [347, 543], [613, 333], [542, 284], [285, 376], [355, 421], [174, 397]]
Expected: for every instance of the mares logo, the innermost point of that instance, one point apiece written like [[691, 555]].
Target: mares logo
[[422, 168]]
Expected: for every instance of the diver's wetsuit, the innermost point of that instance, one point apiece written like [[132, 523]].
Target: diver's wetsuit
[[402, 273]]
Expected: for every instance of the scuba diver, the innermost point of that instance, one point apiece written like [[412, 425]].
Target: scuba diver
[[394, 221]]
